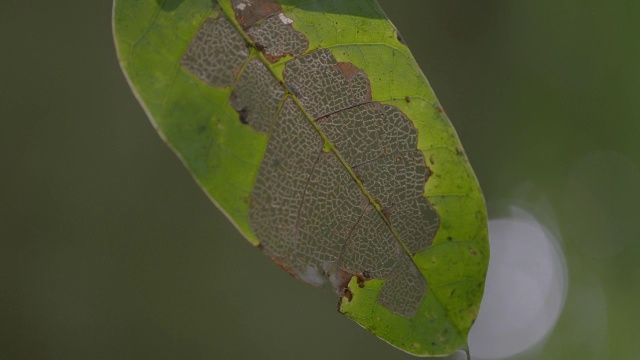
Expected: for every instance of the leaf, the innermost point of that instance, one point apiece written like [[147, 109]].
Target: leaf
[[311, 127]]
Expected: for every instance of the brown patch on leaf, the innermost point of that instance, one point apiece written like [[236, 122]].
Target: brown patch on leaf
[[347, 294], [273, 58], [348, 69], [350, 72], [362, 277], [249, 12], [344, 277], [338, 278]]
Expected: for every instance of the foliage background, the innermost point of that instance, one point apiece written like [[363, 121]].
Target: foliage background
[[108, 249]]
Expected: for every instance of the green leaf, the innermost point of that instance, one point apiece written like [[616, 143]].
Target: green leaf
[[310, 125]]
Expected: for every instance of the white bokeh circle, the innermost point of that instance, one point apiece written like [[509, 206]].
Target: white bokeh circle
[[525, 288]]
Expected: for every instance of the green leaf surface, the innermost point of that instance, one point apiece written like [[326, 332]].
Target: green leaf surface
[[310, 125]]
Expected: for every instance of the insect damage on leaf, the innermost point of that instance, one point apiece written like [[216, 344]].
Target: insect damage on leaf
[[217, 53], [276, 38], [319, 154], [258, 95], [249, 12], [307, 211], [269, 29], [324, 86]]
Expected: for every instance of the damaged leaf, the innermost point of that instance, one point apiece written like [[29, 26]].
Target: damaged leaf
[[322, 141]]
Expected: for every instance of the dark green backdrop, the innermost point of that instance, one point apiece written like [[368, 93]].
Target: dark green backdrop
[[108, 249]]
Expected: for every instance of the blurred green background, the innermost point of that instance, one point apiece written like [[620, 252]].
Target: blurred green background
[[109, 250]]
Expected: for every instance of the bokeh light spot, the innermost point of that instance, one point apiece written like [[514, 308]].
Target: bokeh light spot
[[525, 289]]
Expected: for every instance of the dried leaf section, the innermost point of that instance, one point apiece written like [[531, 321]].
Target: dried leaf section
[[323, 216]]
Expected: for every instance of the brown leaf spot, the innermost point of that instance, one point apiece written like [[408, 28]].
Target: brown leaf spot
[[338, 278], [347, 294], [348, 69], [249, 12], [273, 58], [361, 279]]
